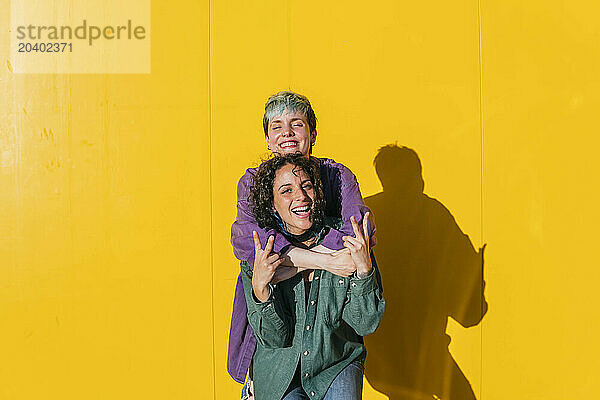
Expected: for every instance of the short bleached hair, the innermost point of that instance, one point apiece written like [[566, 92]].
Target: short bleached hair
[[292, 102]]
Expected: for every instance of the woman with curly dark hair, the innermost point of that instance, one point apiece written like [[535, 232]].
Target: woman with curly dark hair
[[261, 192], [309, 326]]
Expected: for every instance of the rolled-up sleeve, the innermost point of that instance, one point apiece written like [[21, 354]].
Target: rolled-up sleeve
[[344, 192]]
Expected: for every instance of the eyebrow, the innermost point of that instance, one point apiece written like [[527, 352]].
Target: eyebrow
[[289, 184], [278, 121]]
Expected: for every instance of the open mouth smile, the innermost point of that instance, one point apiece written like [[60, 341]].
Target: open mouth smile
[[288, 144], [302, 211]]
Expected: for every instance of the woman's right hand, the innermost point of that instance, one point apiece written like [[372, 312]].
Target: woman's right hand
[[265, 264]]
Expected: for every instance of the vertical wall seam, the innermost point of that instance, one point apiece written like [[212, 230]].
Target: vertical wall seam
[[210, 189], [289, 43], [481, 171]]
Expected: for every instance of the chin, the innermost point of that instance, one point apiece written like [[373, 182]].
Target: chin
[[292, 150], [301, 229], [306, 228]]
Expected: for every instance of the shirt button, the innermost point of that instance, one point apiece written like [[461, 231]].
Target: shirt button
[[306, 353], [316, 278], [353, 284], [312, 393], [308, 327], [312, 302], [341, 281], [306, 374]]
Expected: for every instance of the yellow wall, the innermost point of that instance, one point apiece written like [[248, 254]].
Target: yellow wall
[[116, 272]]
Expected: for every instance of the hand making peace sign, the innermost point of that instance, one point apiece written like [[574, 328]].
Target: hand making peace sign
[[265, 264], [359, 246]]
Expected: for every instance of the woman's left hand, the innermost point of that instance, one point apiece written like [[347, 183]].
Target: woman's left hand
[[359, 246]]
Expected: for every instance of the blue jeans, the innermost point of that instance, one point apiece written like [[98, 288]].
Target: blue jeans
[[246, 394], [346, 386]]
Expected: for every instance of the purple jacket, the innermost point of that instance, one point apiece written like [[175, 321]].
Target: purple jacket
[[343, 198]]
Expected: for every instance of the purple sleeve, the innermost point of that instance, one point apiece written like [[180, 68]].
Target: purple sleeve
[[241, 230], [344, 191]]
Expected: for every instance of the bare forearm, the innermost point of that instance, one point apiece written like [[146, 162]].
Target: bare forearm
[[322, 249], [305, 259], [337, 262]]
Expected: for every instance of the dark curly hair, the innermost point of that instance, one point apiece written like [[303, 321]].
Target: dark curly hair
[[261, 191]]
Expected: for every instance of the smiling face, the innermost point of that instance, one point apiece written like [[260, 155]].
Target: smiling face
[[289, 133], [293, 198]]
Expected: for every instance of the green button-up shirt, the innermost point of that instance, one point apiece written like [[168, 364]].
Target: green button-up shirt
[[323, 333]]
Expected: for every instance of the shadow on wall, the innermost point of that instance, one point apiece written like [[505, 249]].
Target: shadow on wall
[[430, 271]]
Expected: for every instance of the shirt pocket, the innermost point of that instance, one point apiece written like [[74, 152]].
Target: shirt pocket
[[335, 300]]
